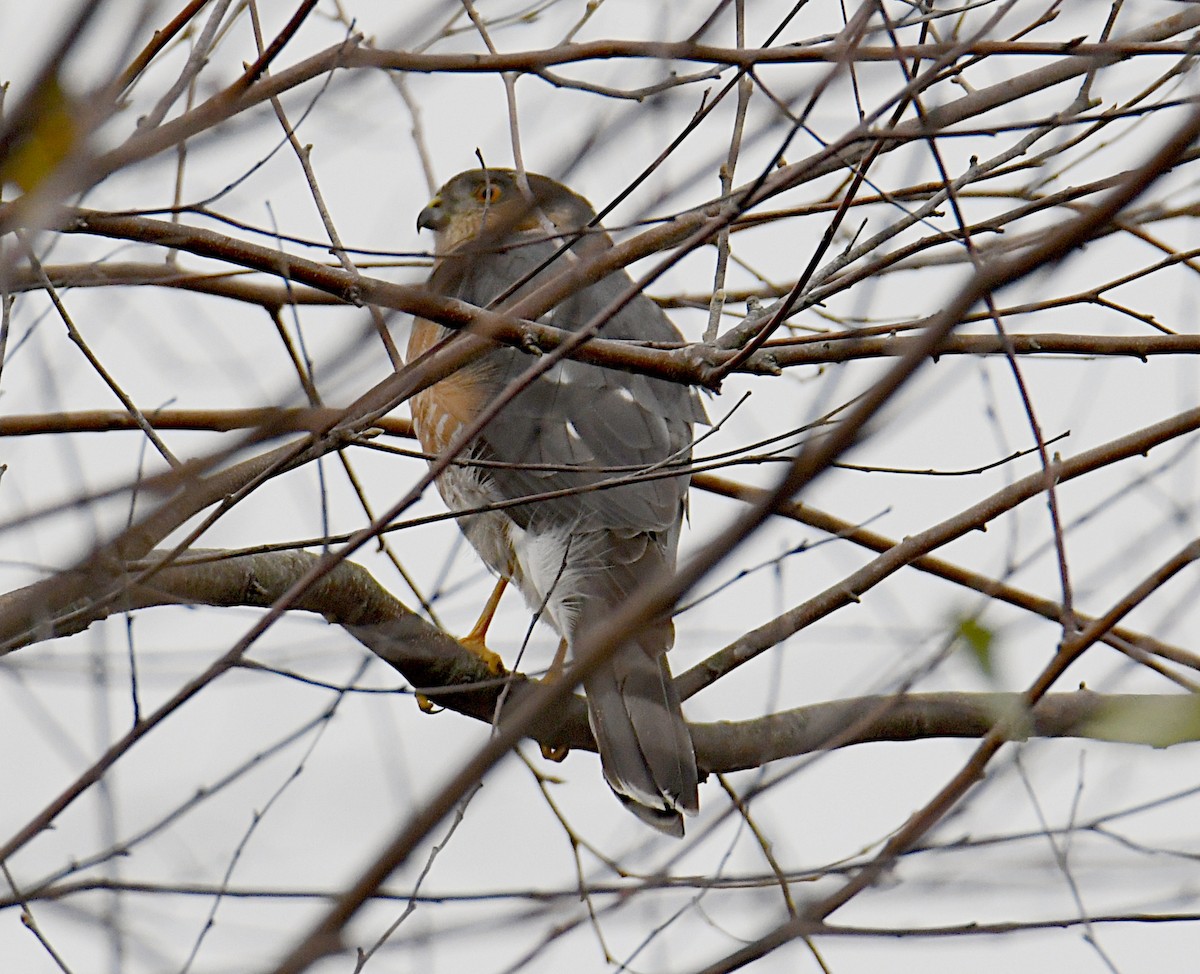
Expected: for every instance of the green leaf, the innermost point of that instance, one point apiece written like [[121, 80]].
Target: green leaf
[[978, 640], [39, 151]]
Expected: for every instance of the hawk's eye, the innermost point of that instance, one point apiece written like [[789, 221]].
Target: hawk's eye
[[486, 192]]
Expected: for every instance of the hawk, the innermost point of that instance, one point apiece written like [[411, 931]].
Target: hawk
[[579, 554]]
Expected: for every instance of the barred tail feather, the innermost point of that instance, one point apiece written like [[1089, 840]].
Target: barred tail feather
[[645, 746]]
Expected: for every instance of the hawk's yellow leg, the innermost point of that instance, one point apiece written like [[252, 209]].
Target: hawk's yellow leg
[[555, 752], [474, 641]]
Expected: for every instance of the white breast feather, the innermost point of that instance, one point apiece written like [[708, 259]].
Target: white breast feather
[[549, 567]]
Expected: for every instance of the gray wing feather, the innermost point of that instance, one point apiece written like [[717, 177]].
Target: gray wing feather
[[577, 413]]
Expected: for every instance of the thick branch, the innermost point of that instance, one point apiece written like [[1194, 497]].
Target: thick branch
[[609, 49], [442, 668], [1158, 720]]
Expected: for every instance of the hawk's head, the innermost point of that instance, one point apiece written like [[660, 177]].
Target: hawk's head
[[492, 202]]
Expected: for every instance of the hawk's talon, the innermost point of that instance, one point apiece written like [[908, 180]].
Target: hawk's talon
[[475, 645], [428, 706]]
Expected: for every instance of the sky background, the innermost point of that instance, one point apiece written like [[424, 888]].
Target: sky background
[[267, 783]]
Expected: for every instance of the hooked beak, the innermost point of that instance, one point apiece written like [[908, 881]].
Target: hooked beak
[[433, 217]]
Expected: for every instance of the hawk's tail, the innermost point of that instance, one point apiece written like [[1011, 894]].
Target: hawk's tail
[[644, 742]]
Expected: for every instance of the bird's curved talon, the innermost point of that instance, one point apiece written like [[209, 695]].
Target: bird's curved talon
[[428, 706], [491, 660]]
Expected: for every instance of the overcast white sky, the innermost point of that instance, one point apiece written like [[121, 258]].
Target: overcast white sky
[[336, 791]]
